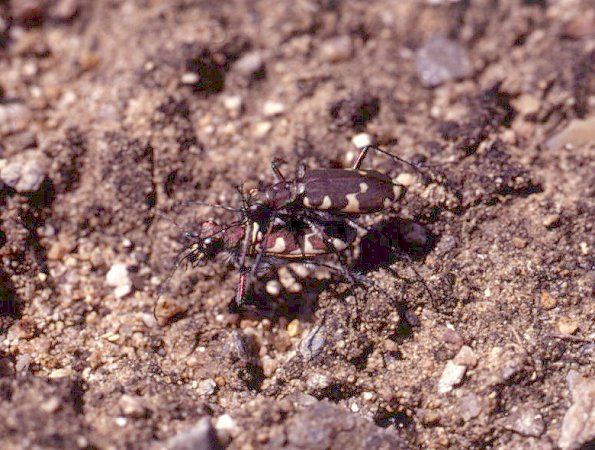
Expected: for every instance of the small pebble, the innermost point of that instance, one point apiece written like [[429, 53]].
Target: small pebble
[[51, 405], [24, 172], [200, 436], [581, 26], [269, 366], [441, 60], [466, 357], [249, 64], [584, 248], [14, 117], [234, 104], [362, 140], [313, 344], [525, 421], [272, 108], [452, 375], [576, 134], [261, 129], [518, 242], [337, 49], [551, 221], [117, 275], [273, 287], [527, 105], [131, 406], [547, 302], [122, 291], [469, 407], [294, 328], [578, 426], [190, 78], [317, 381], [567, 326], [406, 179], [206, 387]]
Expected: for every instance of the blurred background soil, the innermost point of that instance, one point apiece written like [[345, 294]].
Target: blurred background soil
[[116, 114]]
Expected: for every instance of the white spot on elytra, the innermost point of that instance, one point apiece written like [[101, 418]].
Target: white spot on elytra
[[278, 247], [352, 203], [363, 187], [326, 203]]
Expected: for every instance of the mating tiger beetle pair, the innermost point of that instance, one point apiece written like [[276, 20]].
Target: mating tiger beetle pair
[[300, 219]]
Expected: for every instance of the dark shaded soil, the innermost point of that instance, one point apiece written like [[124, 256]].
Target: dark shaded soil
[[131, 110]]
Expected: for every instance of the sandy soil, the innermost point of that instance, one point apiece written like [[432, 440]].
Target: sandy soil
[[475, 329]]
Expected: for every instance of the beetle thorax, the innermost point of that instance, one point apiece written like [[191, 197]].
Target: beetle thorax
[[281, 194]]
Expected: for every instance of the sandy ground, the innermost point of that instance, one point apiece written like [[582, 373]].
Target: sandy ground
[[475, 327]]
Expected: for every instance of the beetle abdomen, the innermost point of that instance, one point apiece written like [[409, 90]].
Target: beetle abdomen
[[349, 191]]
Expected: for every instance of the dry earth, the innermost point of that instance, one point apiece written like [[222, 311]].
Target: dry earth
[[477, 329]]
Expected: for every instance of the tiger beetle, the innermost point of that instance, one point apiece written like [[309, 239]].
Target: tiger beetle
[[338, 191]]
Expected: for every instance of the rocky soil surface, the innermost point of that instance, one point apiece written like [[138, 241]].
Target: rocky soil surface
[[474, 326]]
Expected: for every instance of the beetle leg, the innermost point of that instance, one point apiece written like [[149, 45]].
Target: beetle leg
[[260, 254], [242, 267], [332, 249], [277, 172]]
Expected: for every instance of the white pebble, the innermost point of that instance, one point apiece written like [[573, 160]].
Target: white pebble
[[362, 140], [272, 108], [118, 275], [190, 78], [234, 104], [451, 376], [24, 173]]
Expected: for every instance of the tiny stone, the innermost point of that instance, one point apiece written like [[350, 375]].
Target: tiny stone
[[225, 422], [200, 436], [313, 344], [117, 275], [249, 64], [317, 381], [234, 104], [527, 422], [337, 49], [272, 108], [206, 387], [469, 407], [362, 140], [452, 375], [581, 26], [441, 60], [261, 129], [294, 328], [269, 366], [121, 421], [578, 426], [406, 179], [577, 133], [122, 291], [24, 173], [131, 406], [273, 287], [190, 78], [519, 242], [547, 302], [22, 364], [149, 320], [466, 357], [551, 221], [527, 105], [584, 248], [567, 326]]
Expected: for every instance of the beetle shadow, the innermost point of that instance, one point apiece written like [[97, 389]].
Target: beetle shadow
[[290, 304], [393, 241]]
